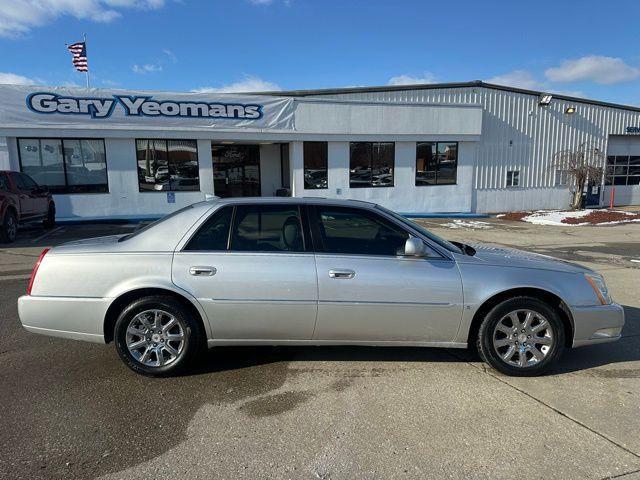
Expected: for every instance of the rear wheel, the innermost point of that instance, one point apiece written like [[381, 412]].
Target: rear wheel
[[156, 336], [50, 220], [521, 336], [9, 228]]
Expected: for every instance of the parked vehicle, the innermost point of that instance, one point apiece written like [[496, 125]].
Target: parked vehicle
[[292, 271], [22, 200]]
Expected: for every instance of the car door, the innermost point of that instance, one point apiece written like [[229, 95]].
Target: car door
[[368, 291], [37, 194], [252, 268], [25, 197]]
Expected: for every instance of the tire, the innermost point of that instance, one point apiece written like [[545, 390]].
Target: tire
[[9, 228], [50, 219], [156, 341], [529, 350]]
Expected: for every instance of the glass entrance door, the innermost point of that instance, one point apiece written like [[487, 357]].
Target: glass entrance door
[[236, 170]]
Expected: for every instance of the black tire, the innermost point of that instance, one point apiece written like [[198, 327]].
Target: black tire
[[492, 354], [191, 328], [50, 220], [9, 228]]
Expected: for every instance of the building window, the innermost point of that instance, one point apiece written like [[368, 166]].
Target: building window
[[371, 164], [513, 178], [315, 165], [167, 165], [623, 170], [562, 178], [436, 163], [65, 165]]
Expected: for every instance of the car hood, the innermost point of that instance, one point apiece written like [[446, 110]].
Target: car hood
[[511, 257]]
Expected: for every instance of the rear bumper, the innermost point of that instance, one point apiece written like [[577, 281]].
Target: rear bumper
[[597, 324], [65, 317]]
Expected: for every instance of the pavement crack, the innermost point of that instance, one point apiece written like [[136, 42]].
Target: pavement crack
[[541, 402], [622, 475]]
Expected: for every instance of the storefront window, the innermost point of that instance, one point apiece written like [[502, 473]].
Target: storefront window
[[68, 165], [315, 165], [371, 164], [436, 163], [167, 165]]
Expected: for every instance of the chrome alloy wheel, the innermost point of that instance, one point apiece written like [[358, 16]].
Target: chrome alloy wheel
[[523, 338], [155, 338]]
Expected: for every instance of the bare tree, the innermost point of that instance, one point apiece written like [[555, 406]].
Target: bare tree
[[582, 165]]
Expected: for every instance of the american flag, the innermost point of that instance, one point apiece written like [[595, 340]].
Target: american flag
[[79, 52]]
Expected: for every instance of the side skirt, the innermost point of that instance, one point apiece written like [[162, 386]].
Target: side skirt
[[381, 343]]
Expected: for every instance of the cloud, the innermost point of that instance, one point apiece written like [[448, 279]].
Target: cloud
[[518, 79], [248, 84], [170, 55], [146, 68], [411, 80], [599, 69], [14, 79], [20, 16]]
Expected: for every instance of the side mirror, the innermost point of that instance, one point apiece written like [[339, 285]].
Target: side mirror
[[414, 247]]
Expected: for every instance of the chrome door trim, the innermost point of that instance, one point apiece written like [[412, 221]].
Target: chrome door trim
[[382, 303], [341, 274]]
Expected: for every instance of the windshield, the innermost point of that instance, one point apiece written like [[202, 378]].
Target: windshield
[[440, 241], [153, 224]]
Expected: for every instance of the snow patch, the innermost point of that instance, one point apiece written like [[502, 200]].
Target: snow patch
[[473, 224]]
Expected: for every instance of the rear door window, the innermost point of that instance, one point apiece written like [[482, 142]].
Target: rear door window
[[267, 228]]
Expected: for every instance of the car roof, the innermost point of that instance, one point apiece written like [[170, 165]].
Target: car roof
[[285, 200]]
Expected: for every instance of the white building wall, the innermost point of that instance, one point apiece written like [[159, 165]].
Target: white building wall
[[518, 134], [405, 196], [5, 163]]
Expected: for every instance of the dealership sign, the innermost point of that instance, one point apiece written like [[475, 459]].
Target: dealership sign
[[633, 130], [28, 106], [44, 102]]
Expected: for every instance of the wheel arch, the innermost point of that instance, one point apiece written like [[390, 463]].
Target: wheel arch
[[552, 299], [125, 298]]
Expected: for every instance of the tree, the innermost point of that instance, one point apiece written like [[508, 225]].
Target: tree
[[582, 165]]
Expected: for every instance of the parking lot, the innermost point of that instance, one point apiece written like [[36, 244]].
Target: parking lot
[[73, 410]]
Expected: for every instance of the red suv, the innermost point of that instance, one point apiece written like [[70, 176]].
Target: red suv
[[22, 200]]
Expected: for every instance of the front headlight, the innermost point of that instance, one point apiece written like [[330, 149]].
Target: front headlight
[[599, 287]]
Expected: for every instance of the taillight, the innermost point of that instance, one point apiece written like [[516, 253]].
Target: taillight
[[35, 270]]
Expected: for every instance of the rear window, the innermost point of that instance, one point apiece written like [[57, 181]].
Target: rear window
[[3, 182], [214, 234], [153, 224]]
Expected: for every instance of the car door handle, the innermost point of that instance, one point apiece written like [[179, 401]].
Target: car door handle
[[203, 271], [345, 274]]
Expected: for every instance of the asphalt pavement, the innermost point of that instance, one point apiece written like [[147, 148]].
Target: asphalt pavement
[[72, 410]]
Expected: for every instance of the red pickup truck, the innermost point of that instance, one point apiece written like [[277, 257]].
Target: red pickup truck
[[22, 200]]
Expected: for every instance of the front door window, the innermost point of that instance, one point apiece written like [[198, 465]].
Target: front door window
[[236, 170]]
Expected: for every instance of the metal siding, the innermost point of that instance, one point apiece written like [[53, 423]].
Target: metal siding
[[537, 132]]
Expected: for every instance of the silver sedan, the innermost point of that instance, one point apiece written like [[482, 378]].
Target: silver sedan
[[290, 271]]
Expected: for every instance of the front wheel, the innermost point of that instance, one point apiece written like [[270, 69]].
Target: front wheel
[[521, 336], [156, 336]]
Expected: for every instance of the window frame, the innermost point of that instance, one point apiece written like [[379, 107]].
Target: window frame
[[307, 242], [65, 190], [512, 172], [326, 164], [372, 163], [437, 184], [319, 242], [198, 229], [166, 142], [610, 178]]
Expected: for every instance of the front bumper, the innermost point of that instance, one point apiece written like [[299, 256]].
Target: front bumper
[[65, 317], [597, 324]]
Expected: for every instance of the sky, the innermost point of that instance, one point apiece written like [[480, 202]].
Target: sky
[[582, 48]]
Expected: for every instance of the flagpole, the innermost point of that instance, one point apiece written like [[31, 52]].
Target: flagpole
[[84, 36]]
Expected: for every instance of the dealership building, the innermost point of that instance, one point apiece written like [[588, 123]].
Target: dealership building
[[438, 148]]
